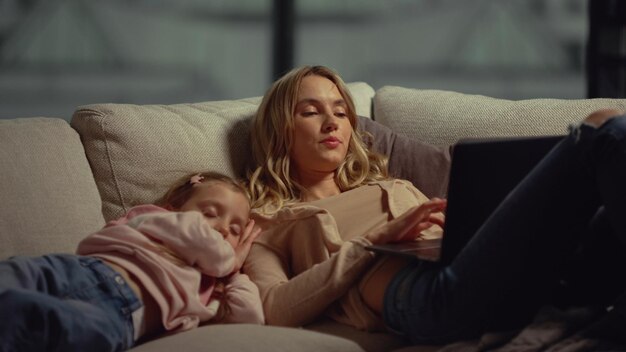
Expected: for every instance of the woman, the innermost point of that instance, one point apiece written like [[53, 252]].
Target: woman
[[321, 196]]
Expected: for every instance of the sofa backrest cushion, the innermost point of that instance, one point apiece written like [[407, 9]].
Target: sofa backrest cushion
[[49, 198], [426, 166], [137, 151], [441, 118]]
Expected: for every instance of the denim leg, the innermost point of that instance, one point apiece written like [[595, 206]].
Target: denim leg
[[512, 264], [594, 274], [64, 303], [607, 160]]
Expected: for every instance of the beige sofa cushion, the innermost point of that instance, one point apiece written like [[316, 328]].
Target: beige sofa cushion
[[424, 165], [252, 338], [369, 340], [442, 117], [137, 151], [49, 198]]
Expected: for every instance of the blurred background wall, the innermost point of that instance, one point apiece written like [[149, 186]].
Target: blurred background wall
[[58, 54]]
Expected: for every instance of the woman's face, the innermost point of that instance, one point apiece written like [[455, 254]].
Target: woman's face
[[322, 129]]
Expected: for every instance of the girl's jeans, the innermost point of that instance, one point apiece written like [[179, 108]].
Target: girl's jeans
[[511, 265], [64, 303]]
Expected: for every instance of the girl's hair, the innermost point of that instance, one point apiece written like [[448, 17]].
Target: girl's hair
[[183, 189], [270, 183]]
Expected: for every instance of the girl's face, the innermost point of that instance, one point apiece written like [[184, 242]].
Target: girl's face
[[322, 129], [225, 210]]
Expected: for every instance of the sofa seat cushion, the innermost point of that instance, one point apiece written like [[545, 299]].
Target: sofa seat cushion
[[49, 198], [441, 118], [252, 338], [137, 151], [370, 341]]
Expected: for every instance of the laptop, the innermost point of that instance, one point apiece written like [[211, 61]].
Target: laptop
[[483, 172]]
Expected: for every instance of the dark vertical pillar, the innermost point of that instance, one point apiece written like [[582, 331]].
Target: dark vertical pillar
[[606, 49], [283, 26]]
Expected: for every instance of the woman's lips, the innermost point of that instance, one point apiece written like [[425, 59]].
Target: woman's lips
[[331, 142]]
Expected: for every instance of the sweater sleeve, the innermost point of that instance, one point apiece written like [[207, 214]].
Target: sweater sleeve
[[298, 300], [190, 238], [243, 300]]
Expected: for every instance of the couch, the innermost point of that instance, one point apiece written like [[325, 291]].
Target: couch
[[61, 181]]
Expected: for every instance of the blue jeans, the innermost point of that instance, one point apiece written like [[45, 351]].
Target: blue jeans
[[514, 261], [64, 303]]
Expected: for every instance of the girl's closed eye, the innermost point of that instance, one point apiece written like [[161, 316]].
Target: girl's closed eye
[[209, 212], [236, 229]]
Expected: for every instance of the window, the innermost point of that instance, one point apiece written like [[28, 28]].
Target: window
[[58, 54]]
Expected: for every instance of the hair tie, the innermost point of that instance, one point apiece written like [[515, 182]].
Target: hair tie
[[196, 179]]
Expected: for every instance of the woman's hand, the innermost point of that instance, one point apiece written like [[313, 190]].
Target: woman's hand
[[409, 225], [250, 233]]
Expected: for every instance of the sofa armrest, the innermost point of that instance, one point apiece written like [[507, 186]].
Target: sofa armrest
[[49, 197]]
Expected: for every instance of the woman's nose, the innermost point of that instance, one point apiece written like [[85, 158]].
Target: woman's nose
[[330, 124]]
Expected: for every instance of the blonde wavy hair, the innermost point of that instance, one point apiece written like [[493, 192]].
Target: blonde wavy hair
[[270, 184]]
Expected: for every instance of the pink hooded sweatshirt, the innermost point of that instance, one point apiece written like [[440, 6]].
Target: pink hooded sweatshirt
[[176, 256]]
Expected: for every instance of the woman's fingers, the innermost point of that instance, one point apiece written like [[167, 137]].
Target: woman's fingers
[[437, 218], [415, 232], [432, 220], [435, 205], [426, 211], [404, 227]]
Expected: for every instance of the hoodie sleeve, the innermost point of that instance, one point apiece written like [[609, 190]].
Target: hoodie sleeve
[[244, 301], [190, 238]]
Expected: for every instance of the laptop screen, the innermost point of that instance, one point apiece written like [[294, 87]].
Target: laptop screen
[[483, 172]]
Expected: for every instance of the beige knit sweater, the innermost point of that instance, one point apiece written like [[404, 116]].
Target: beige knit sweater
[[310, 257]]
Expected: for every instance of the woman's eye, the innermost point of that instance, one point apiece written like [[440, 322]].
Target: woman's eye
[[341, 114], [308, 113]]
